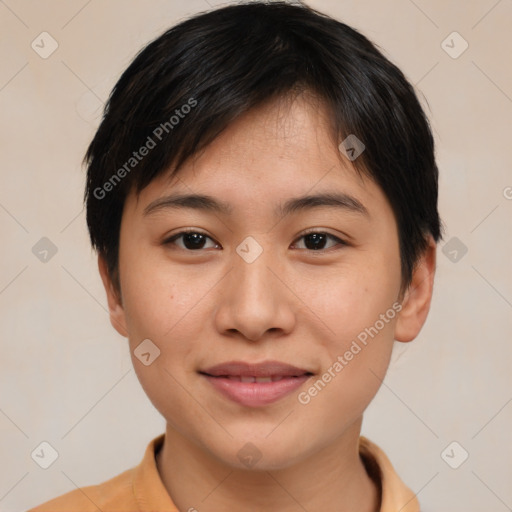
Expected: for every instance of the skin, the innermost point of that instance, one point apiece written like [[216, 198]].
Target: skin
[[205, 306]]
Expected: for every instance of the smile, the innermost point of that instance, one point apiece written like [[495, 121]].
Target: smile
[[255, 385]]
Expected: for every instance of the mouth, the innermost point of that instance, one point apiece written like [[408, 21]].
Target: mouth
[[254, 385], [266, 369], [252, 378]]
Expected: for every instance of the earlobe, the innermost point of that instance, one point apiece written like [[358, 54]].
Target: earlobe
[[417, 298], [115, 308]]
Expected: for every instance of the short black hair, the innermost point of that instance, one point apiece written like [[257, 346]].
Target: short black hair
[[185, 87]]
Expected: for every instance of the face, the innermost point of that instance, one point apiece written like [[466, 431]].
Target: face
[[314, 286]]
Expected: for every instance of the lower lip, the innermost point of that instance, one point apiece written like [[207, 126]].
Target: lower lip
[[256, 394]]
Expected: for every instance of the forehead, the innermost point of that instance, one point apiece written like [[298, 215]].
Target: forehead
[[281, 150]]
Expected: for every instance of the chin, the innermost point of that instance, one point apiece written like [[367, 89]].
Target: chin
[[262, 461], [258, 453]]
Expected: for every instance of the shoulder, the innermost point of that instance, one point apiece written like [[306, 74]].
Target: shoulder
[[113, 495]]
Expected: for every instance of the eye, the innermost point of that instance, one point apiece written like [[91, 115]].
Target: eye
[[191, 240], [316, 240]]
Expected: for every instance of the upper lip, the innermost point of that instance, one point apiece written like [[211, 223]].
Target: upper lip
[[263, 369]]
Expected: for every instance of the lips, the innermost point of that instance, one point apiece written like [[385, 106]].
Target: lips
[[255, 385], [270, 371]]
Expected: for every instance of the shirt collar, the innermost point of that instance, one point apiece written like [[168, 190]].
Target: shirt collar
[[395, 495]]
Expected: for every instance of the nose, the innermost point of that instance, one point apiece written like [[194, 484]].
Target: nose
[[255, 299]]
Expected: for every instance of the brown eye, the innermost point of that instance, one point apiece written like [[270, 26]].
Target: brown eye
[[191, 240], [317, 240]]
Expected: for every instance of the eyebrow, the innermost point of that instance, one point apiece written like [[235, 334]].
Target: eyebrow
[[210, 204]]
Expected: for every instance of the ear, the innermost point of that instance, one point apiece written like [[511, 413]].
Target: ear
[[115, 307], [416, 303]]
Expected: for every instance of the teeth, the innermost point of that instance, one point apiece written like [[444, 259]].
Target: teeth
[[263, 379], [244, 378]]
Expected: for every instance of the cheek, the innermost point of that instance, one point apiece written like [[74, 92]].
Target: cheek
[[159, 298], [164, 306], [349, 300], [354, 359], [355, 315]]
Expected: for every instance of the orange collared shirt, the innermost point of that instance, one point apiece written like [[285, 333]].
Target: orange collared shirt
[[140, 489]]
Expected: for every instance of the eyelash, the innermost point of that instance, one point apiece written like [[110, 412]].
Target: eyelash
[[173, 238]]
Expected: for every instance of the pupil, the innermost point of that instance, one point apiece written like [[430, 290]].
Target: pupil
[[317, 239], [193, 240]]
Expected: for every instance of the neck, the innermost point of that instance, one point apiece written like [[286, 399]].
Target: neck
[[332, 480]]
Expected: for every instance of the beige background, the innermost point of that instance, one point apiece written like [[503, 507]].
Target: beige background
[[66, 375]]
